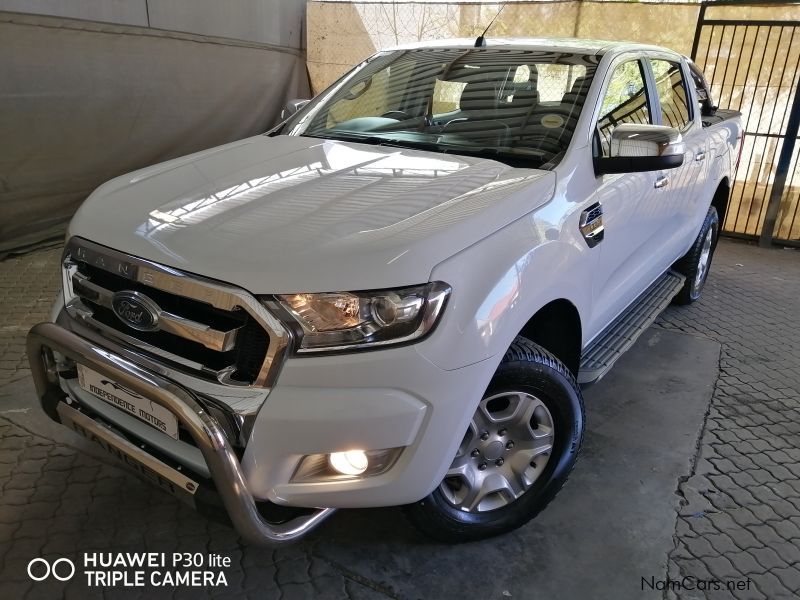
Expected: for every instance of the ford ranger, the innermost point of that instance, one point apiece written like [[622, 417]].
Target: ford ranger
[[395, 296]]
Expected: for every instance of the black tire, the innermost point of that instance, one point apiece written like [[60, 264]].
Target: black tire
[[528, 368], [689, 263]]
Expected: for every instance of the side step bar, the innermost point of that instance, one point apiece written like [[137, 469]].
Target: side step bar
[[623, 331]]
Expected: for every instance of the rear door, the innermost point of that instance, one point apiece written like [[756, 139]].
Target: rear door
[[682, 191]]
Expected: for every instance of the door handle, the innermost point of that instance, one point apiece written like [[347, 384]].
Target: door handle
[[661, 181], [700, 156]]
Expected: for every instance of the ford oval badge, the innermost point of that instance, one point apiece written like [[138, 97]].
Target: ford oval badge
[[136, 310]]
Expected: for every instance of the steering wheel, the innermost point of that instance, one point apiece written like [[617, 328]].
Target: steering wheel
[[396, 114]]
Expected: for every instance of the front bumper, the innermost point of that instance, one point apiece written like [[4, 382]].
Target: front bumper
[[390, 398], [226, 474], [393, 398]]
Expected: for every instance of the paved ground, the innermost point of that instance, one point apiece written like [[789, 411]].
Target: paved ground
[[737, 484], [743, 497]]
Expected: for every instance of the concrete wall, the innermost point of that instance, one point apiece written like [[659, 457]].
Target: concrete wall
[[92, 89], [341, 34]]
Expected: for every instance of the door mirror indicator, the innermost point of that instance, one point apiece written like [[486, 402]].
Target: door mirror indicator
[[591, 225]]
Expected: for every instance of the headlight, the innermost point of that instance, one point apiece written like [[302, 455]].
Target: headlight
[[351, 320]]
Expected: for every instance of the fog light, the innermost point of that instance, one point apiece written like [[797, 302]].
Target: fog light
[[352, 462], [339, 466]]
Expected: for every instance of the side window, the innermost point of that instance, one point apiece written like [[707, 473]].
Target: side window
[[382, 92], [704, 101], [364, 97], [671, 93], [625, 102], [447, 96]]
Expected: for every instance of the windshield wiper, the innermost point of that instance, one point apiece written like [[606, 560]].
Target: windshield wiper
[[509, 158], [380, 141], [430, 146], [364, 139]]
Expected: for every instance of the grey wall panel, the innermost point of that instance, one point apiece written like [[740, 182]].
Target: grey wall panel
[[277, 22], [81, 103], [125, 12]]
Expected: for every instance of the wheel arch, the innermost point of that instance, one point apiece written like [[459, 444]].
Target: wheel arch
[[721, 199], [556, 327], [500, 288]]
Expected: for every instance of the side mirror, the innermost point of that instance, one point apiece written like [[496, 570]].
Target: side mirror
[[707, 109], [637, 148], [291, 107]]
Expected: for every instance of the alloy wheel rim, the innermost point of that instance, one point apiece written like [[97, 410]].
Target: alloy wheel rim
[[705, 258], [505, 450]]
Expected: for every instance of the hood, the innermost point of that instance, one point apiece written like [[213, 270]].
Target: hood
[[293, 214]]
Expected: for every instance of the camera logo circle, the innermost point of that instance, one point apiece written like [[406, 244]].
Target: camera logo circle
[[39, 569]]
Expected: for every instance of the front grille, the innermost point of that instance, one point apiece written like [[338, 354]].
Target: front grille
[[209, 329], [242, 361]]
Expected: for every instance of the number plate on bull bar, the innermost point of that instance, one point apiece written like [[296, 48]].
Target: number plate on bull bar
[[128, 401], [146, 466]]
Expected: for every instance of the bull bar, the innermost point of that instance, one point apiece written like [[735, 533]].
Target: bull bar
[[221, 460]]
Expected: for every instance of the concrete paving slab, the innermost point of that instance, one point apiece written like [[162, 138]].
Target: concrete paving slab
[[610, 526]]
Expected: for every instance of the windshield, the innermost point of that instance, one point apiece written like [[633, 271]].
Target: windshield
[[520, 106]]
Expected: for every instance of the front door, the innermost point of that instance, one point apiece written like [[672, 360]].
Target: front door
[[629, 201]]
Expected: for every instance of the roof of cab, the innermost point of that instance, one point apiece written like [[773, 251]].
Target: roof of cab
[[576, 45]]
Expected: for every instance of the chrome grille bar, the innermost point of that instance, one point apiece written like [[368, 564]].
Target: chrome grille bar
[[221, 341]]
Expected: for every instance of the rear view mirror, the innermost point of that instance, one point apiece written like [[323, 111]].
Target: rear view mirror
[[291, 107], [637, 148]]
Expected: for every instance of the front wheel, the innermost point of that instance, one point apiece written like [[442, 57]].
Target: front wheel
[[516, 454]]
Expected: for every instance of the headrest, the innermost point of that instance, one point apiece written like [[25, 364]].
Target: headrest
[[526, 92], [534, 75], [479, 95], [525, 95]]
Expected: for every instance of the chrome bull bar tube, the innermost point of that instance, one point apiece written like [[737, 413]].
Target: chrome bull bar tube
[[223, 465]]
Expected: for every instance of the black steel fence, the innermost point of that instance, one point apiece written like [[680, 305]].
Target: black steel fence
[[752, 66]]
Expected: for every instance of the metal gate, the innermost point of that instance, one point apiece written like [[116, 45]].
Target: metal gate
[[752, 66]]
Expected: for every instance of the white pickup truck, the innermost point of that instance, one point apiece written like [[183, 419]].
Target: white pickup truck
[[395, 296]]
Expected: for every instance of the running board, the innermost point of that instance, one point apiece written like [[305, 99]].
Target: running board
[[623, 331]]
